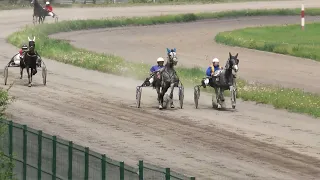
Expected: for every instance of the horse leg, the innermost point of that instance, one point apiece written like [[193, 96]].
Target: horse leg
[[34, 20], [31, 75], [21, 72], [217, 91], [158, 92], [29, 84], [222, 97], [163, 92], [171, 94]]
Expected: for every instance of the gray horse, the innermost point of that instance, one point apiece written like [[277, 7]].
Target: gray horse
[[167, 77], [225, 80]]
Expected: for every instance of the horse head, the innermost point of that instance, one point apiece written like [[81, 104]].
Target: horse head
[[34, 2], [232, 63], [37, 8], [172, 56], [32, 44]]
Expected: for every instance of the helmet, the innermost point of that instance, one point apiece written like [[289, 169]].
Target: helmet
[[160, 59], [24, 47], [47, 3], [215, 60]]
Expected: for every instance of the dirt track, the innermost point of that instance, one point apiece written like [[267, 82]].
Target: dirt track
[[97, 110]]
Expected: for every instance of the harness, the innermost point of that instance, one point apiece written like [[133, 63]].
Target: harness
[[170, 76], [26, 53]]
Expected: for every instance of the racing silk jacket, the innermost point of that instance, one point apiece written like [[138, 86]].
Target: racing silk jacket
[[155, 68], [49, 8], [209, 71]]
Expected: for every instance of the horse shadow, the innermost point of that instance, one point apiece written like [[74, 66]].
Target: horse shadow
[[223, 108]]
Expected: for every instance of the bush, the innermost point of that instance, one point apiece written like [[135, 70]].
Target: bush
[[6, 165]]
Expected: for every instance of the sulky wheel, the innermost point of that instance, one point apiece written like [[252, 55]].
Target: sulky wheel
[[181, 96], [44, 74], [196, 95], [138, 96], [5, 75]]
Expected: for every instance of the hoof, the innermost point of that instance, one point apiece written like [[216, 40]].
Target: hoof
[[233, 106], [172, 105], [29, 85], [219, 106], [160, 107]]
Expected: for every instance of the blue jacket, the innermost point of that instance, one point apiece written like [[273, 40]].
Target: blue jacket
[[155, 68], [209, 70]]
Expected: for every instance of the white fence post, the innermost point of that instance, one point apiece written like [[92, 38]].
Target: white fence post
[[302, 17]]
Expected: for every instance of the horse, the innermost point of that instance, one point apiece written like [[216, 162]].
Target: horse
[[225, 80], [167, 77], [38, 11], [29, 61]]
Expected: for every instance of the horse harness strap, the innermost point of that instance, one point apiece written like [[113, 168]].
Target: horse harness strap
[[31, 55]]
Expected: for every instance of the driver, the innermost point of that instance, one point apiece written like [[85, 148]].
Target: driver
[[48, 8], [153, 69], [212, 70], [16, 60], [23, 49]]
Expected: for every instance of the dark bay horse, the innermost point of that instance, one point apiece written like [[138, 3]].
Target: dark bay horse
[[38, 11], [167, 78], [225, 80], [29, 61]]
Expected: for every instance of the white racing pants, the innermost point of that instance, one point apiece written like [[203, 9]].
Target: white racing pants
[[206, 81], [151, 80], [16, 59], [50, 14]]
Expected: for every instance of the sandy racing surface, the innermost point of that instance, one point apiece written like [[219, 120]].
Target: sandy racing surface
[[98, 110]]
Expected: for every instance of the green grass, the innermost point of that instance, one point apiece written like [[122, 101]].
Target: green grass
[[287, 39], [291, 99]]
